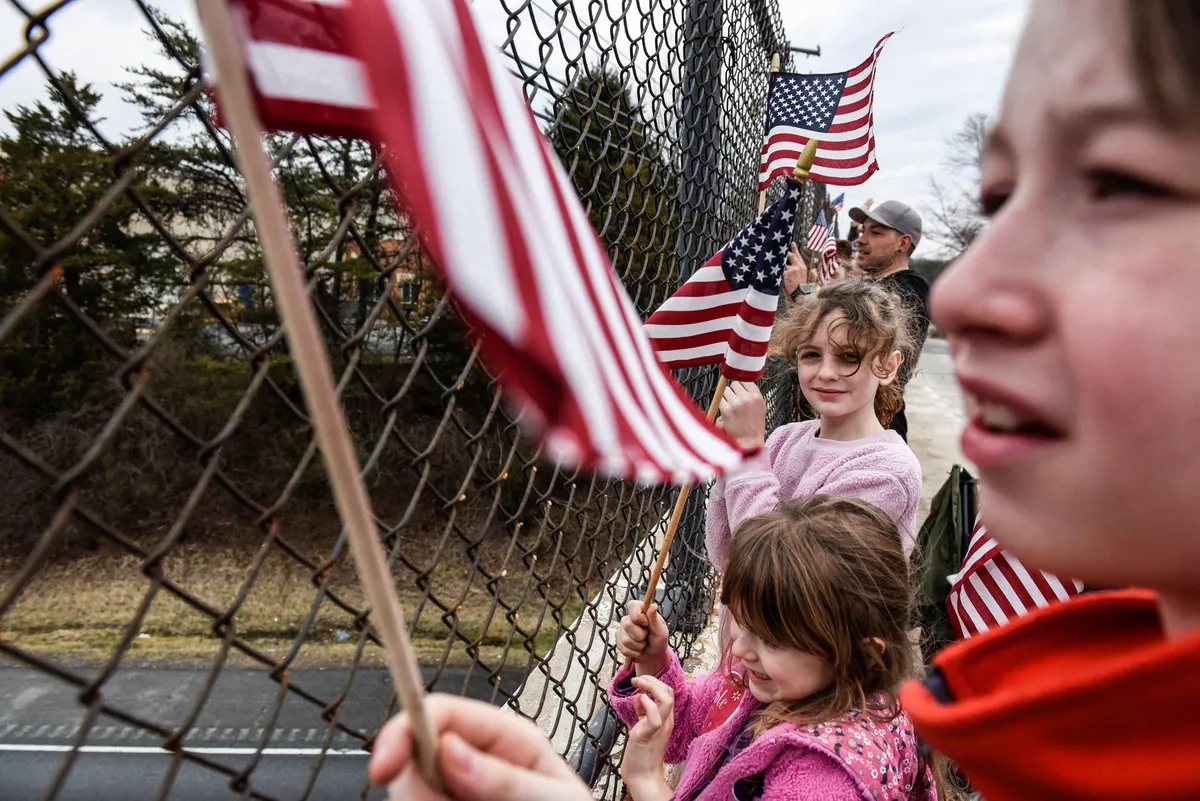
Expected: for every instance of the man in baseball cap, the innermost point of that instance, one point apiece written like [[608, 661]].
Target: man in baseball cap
[[888, 234]]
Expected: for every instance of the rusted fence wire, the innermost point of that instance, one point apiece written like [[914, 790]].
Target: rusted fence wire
[[163, 504]]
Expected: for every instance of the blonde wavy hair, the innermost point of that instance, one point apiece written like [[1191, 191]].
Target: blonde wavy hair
[[875, 325]]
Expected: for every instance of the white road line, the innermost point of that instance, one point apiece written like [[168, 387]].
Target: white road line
[[148, 751]]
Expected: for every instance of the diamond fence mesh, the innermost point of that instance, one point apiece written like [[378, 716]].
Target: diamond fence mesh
[[163, 501]]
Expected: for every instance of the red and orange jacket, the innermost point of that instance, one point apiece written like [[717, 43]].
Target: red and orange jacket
[[1084, 699]]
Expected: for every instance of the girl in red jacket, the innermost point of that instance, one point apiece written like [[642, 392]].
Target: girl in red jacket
[[1083, 393]]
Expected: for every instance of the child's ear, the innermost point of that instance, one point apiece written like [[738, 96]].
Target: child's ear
[[877, 647], [892, 366]]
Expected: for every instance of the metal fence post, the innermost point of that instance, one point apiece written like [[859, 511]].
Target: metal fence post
[[700, 139], [700, 133]]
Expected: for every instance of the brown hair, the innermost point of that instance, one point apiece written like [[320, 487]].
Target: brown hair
[[1165, 48], [876, 324], [827, 576]]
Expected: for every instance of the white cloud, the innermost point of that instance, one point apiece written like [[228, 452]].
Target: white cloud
[[948, 60]]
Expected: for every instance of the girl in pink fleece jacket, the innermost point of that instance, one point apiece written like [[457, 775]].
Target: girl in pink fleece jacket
[[819, 593], [847, 345]]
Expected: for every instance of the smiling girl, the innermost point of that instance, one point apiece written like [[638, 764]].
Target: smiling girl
[[846, 344], [1083, 393], [819, 594]]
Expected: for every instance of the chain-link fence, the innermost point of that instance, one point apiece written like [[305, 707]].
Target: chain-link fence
[[174, 583]]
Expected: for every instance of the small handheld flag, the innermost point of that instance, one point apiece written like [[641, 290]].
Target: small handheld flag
[[725, 311], [818, 232], [820, 240]]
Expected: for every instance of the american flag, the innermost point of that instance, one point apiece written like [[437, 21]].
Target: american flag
[[302, 72], [821, 240], [725, 311], [834, 108], [829, 260], [818, 233], [838, 202], [993, 587], [499, 217]]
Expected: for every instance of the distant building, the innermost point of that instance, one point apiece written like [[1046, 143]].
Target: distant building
[[410, 273]]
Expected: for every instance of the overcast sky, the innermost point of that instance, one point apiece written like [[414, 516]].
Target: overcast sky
[[948, 60]]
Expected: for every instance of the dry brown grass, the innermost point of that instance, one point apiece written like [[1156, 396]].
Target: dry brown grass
[[79, 606]]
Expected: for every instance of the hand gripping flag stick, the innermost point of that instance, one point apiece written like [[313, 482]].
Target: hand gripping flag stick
[[800, 175], [315, 373]]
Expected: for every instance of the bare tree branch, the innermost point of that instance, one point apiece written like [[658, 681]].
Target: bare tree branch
[[955, 213]]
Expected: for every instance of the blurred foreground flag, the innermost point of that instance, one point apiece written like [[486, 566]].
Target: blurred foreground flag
[[497, 214]]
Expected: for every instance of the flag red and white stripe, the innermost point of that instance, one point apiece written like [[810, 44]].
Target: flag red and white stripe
[[500, 219], [829, 259], [818, 233], [834, 108], [993, 587], [724, 313], [302, 71], [821, 240]]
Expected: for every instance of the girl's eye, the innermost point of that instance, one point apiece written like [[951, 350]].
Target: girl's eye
[[1104, 184], [850, 357], [809, 354], [770, 646], [992, 200]]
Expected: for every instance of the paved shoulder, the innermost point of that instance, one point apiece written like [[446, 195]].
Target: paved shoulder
[[934, 406]]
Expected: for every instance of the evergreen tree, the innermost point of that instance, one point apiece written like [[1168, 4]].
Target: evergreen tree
[[602, 138], [55, 175]]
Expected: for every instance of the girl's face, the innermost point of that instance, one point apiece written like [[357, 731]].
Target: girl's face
[[778, 673], [1074, 320], [833, 377]]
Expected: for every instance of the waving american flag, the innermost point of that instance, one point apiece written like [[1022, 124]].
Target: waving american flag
[[835, 109], [302, 72], [821, 240], [724, 313], [497, 214]]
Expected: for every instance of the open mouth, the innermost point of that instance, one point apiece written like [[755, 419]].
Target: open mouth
[[756, 676], [1002, 430], [998, 418]]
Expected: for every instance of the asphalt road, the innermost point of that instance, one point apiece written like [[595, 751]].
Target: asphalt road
[[306, 741]]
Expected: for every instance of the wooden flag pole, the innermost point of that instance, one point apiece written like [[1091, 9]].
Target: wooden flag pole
[[316, 374], [762, 194], [801, 175]]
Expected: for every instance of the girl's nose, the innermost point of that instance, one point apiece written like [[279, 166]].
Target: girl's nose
[[997, 289], [739, 647]]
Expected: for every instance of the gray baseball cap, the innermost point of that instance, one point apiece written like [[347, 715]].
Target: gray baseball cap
[[894, 214]]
